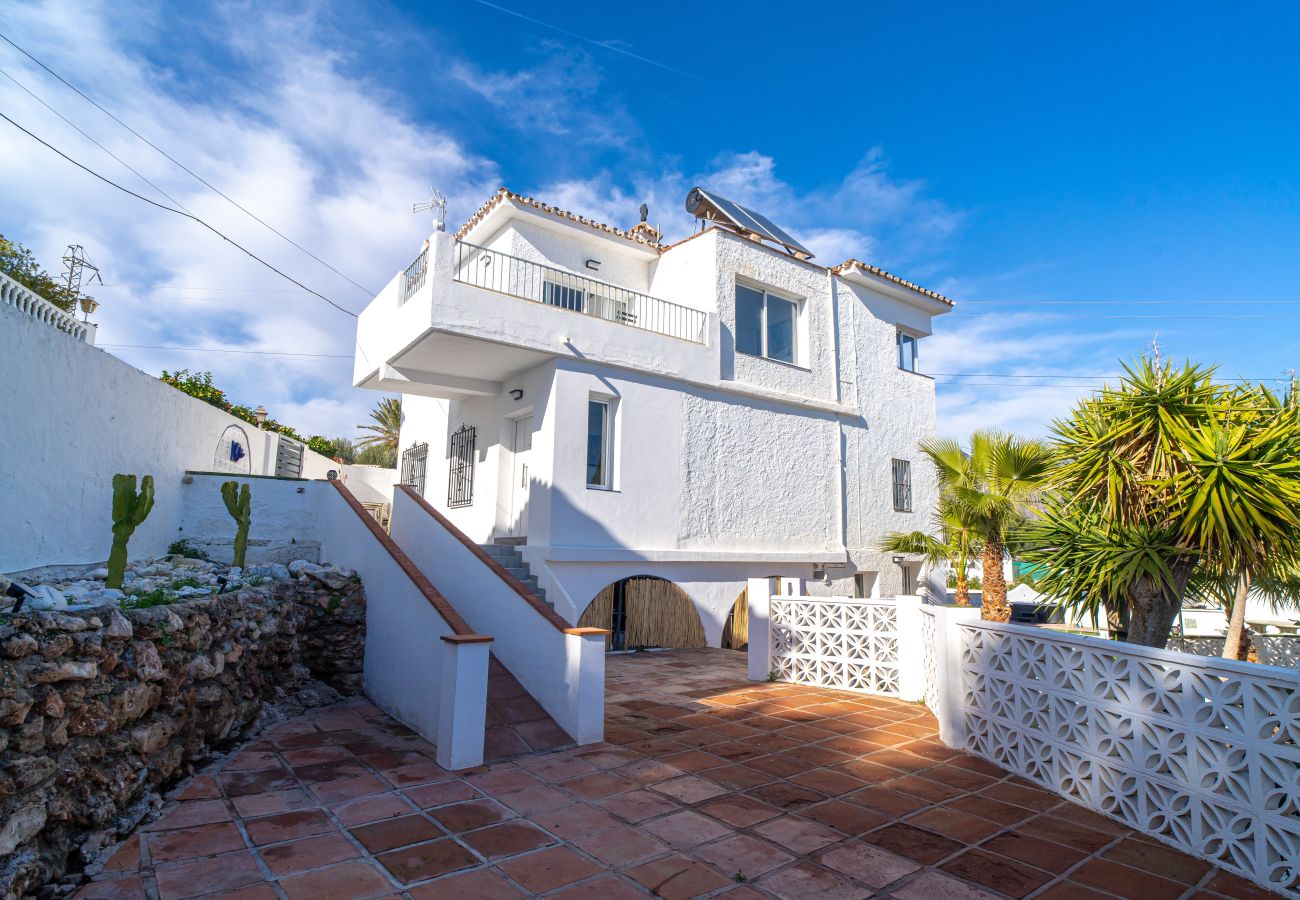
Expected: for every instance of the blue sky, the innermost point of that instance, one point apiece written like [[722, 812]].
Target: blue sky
[[1077, 181]]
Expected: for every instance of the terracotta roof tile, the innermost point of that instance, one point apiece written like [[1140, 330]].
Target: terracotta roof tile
[[849, 264], [504, 194]]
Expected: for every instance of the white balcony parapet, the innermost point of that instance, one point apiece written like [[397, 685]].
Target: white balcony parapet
[[527, 280], [27, 301]]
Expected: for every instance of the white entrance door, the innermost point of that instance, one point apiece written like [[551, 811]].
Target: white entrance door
[[523, 445]]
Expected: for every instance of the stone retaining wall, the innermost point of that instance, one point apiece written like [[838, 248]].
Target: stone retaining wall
[[102, 709]]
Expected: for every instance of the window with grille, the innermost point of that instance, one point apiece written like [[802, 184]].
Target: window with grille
[[902, 486], [460, 484], [414, 458]]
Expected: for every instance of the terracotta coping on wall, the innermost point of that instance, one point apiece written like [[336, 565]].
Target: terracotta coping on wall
[[467, 638], [587, 632], [514, 583], [439, 603]]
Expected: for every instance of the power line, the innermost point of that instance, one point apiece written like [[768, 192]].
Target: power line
[[186, 169], [72, 124], [224, 350], [178, 212]]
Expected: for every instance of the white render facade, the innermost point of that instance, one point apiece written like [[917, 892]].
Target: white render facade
[[533, 327]]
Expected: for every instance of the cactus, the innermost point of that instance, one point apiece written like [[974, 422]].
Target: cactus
[[129, 510], [237, 504]]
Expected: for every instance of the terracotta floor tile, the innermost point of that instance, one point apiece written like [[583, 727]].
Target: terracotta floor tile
[[189, 843], [1062, 830], [127, 887], [481, 884], [197, 787], [690, 789], [997, 872], [988, 808], [564, 768], [420, 773], [543, 735], [849, 818], [739, 777], [239, 784], [830, 782], [738, 810], [1106, 875], [126, 858], [959, 777], [1069, 890], [371, 809], [330, 771], [312, 756], [348, 788], [274, 802], [598, 784], [685, 829], [1035, 851], [923, 788], [423, 861], [935, 885], [1158, 860], [201, 876], [785, 796], [1028, 797], [536, 800], [610, 887], [389, 834], [743, 855], [800, 835], [677, 877], [499, 841], [287, 826], [954, 824], [808, 880], [572, 822], [647, 771], [308, 853], [621, 846], [638, 806], [693, 760], [924, 847], [469, 815], [1230, 885], [342, 882], [549, 869], [428, 796], [868, 864], [192, 812]]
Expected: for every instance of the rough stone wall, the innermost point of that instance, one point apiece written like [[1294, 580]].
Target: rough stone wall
[[101, 710]]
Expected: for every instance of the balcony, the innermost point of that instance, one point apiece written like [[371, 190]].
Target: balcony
[[461, 320]]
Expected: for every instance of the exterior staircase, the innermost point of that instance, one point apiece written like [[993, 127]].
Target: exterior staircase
[[507, 554]]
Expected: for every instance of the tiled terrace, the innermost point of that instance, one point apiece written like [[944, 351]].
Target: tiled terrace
[[709, 785]]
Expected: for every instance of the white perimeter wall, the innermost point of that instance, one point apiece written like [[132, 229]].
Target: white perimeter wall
[[74, 416]]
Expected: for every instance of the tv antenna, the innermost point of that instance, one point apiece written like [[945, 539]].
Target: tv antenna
[[437, 205], [75, 266]]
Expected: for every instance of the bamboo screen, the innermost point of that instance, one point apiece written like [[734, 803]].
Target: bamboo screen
[[600, 613], [736, 635], [660, 614]]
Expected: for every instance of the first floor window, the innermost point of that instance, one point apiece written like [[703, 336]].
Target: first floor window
[[765, 324], [902, 486], [598, 455], [460, 476], [907, 351]]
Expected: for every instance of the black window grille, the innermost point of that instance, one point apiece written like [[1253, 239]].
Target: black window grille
[[460, 484], [414, 458], [902, 486], [415, 274]]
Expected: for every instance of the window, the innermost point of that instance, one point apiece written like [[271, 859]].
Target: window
[[414, 458], [902, 486], [562, 296], [598, 444], [907, 351], [765, 324], [864, 583]]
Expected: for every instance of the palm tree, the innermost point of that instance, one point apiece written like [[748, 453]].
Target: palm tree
[[1164, 482], [994, 485], [387, 427], [957, 541]]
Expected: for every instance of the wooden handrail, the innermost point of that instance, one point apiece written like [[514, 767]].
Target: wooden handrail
[[439, 603], [514, 583]]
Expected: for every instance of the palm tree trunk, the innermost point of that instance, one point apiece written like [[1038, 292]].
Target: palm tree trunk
[[1153, 606], [1237, 644], [994, 606], [963, 589]]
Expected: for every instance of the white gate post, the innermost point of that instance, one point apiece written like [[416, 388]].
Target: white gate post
[[947, 672], [911, 654], [758, 595], [462, 707]]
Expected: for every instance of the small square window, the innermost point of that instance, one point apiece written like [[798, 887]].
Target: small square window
[[902, 471], [766, 325]]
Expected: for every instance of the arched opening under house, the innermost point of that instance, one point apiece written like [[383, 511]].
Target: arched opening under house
[[735, 633], [644, 611]]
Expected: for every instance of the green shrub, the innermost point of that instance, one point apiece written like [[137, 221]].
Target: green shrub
[[186, 549]]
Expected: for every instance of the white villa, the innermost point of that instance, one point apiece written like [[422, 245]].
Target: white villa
[[609, 406]]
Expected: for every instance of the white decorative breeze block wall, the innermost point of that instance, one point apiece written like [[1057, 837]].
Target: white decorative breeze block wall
[[929, 659], [1203, 754], [836, 643], [1272, 649]]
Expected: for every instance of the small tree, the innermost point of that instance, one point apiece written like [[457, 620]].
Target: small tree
[[20, 264], [385, 431], [956, 541]]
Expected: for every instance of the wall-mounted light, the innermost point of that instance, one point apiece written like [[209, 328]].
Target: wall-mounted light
[[594, 265], [517, 393], [899, 560], [260, 415]]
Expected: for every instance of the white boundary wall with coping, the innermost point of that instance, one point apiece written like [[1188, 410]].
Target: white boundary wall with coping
[[565, 673], [413, 670], [74, 416]]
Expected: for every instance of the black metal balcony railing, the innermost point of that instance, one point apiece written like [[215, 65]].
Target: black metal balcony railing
[[528, 280], [416, 272]]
